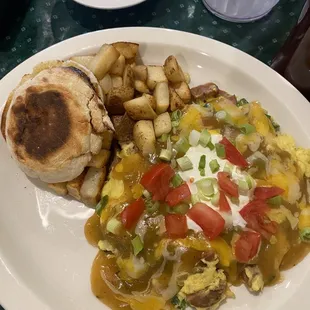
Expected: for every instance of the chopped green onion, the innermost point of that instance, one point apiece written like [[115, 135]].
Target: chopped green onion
[[114, 226], [181, 208], [195, 198], [151, 206], [202, 165], [221, 115], [247, 129], [176, 180], [180, 304], [163, 138], [205, 138], [205, 187], [211, 146], [194, 137], [274, 124], [137, 245], [175, 118], [250, 181], [215, 198], [220, 150], [165, 155], [243, 185], [185, 163], [277, 200], [182, 145], [242, 102], [214, 166], [146, 194], [305, 234], [228, 168], [102, 204]]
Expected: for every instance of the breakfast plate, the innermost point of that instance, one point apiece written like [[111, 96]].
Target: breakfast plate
[[109, 4], [45, 260]]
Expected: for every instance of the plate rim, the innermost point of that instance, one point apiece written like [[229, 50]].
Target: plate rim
[[93, 4], [142, 34]]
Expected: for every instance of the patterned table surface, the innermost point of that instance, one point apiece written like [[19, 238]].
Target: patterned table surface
[[42, 23]]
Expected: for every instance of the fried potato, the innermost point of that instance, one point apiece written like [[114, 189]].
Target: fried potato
[[59, 188], [83, 60], [175, 101], [74, 186], [173, 71], [140, 108], [106, 84], [162, 97], [183, 90], [92, 185], [151, 100], [128, 76], [162, 124], [141, 87], [117, 81], [100, 160], [119, 66], [144, 136], [140, 73], [156, 75], [107, 138], [116, 98], [103, 60], [128, 49]]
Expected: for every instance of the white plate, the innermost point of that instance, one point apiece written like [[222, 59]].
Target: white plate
[[45, 260], [109, 4]]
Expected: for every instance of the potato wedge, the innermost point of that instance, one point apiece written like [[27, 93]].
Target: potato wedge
[[175, 101], [92, 185], [140, 108], [162, 124], [141, 87], [183, 90], [74, 186], [117, 81], [140, 73], [59, 188], [156, 75], [162, 97], [123, 125], [103, 60], [106, 84], [100, 160], [144, 137], [128, 76], [107, 138], [128, 49], [173, 71], [83, 60], [116, 98], [151, 100], [119, 66]]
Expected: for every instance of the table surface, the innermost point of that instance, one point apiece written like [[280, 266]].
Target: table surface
[[41, 23]]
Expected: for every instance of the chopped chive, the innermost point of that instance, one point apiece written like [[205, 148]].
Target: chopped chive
[[202, 165], [205, 187], [114, 226], [221, 115], [228, 168], [242, 102], [102, 204], [215, 198], [181, 208], [182, 145], [185, 163], [220, 150], [175, 118], [243, 185], [194, 137], [176, 180], [205, 138], [151, 206], [211, 146], [276, 201], [163, 137], [247, 129], [305, 234], [250, 181], [214, 166], [165, 155], [275, 125], [137, 245]]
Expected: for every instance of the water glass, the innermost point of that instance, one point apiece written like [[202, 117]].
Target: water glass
[[240, 11]]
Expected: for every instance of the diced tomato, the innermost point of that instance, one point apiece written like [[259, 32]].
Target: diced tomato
[[232, 154], [227, 185], [176, 225], [223, 203], [178, 195], [247, 246], [255, 214], [132, 213], [157, 180], [267, 192], [210, 221]]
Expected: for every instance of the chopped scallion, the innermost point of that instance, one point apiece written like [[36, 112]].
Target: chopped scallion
[[247, 129], [305, 234], [151, 206], [176, 180], [228, 168], [175, 118], [163, 138], [165, 155], [205, 138], [114, 226], [195, 198], [205, 187], [221, 115], [215, 198], [181, 208], [146, 194], [202, 165], [243, 185], [182, 145], [211, 146], [194, 137], [137, 245], [214, 166], [185, 163], [250, 181], [242, 102], [276, 201], [101, 204], [220, 150]]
